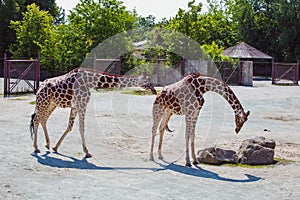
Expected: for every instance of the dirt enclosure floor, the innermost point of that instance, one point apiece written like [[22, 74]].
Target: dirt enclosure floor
[[118, 131]]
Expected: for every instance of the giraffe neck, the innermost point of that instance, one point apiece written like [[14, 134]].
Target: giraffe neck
[[127, 81], [224, 90], [103, 80]]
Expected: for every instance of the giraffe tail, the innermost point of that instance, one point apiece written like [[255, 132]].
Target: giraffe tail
[[168, 129], [32, 124]]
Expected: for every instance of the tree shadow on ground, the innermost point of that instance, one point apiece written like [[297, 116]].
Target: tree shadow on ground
[[74, 163]]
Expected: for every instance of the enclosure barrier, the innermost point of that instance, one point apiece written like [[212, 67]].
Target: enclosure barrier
[[107, 65], [283, 73], [17, 70]]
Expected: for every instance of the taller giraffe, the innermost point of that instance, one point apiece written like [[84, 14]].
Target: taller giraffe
[[72, 90], [185, 97]]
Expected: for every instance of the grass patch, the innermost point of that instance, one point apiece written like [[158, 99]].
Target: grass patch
[[17, 99], [126, 91], [276, 161], [283, 160], [138, 92], [32, 102], [246, 166]]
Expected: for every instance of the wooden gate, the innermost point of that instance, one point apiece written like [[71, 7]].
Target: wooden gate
[[112, 66], [283, 73], [16, 71]]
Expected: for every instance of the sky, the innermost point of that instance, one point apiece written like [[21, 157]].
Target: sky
[[157, 8]]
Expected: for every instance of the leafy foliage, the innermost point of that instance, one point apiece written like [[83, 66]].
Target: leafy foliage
[[29, 29], [215, 52], [90, 23], [8, 11], [13, 9], [212, 29], [271, 26], [32, 32]]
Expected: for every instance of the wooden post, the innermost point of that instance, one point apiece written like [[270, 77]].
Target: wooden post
[[273, 71], [182, 67], [94, 61], [224, 66], [118, 66], [246, 73], [297, 73], [37, 74], [5, 75]]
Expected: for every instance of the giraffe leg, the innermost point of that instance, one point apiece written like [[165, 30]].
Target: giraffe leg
[[191, 124], [81, 114], [193, 145], [72, 117], [35, 130], [44, 124], [156, 114], [162, 127], [187, 154], [46, 134], [188, 133], [41, 117]]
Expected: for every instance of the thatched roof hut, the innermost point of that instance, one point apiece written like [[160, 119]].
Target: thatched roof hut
[[245, 51]]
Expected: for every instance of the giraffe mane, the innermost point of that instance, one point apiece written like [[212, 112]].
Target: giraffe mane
[[100, 72]]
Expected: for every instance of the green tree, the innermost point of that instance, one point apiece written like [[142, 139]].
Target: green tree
[[13, 9], [205, 28], [47, 5], [8, 11], [288, 18], [214, 51], [32, 32], [101, 19], [271, 26], [89, 24]]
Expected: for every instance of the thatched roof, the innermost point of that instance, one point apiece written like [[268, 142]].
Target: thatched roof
[[244, 50]]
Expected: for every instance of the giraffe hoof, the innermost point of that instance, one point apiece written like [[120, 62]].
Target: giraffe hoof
[[195, 163], [88, 155], [54, 149], [37, 151], [47, 146], [161, 157], [188, 165]]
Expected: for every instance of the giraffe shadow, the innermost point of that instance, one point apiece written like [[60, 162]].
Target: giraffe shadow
[[69, 162], [200, 172]]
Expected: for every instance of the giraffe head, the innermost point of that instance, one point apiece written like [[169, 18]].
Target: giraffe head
[[145, 82], [240, 118]]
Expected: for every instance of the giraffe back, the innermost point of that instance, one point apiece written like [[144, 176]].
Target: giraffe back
[[58, 90]]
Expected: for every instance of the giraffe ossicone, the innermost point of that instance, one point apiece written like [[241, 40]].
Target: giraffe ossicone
[[72, 90], [185, 97]]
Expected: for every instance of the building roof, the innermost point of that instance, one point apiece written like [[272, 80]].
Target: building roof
[[244, 50], [140, 45]]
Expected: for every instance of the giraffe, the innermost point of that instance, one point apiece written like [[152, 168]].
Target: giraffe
[[185, 97], [72, 90]]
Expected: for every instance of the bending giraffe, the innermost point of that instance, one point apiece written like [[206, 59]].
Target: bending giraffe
[[185, 97], [72, 90]]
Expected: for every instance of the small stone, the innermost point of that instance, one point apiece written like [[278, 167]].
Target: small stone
[[213, 155]]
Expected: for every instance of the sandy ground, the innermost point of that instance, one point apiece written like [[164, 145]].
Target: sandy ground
[[118, 130]]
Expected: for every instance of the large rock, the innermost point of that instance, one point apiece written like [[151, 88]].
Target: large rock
[[214, 155], [256, 151]]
